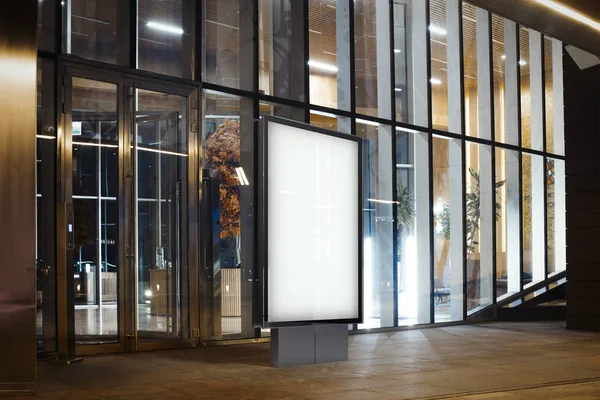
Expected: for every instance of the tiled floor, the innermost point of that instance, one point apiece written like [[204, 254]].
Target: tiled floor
[[488, 361]]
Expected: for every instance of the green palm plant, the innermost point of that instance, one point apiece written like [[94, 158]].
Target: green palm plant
[[473, 212], [405, 209]]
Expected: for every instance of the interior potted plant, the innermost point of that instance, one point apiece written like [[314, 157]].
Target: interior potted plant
[[472, 220]]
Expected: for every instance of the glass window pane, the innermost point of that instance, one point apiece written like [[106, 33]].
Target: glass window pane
[[476, 56], [46, 206], [470, 62], [279, 110], [165, 36], [508, 199], [378, 200], [95, 138], [524, 69], [480, 209], [410, 62], [413, 225], [228, 192], [329, 60], [448, 238], [506, 74], [228, 43], [160, 148], [91, 29], [555, 120], [439, 64], [556, 217], [330, 121], [281, 48], [532, 103], [445, 66], [533, 219], [372, 58]]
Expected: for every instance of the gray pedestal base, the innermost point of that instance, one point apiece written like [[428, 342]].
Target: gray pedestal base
[[306, 345]]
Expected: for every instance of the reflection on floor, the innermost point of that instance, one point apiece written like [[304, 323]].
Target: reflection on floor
[[442, 314], [540, 360]]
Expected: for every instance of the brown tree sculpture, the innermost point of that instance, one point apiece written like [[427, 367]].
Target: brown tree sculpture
[[223, 155]]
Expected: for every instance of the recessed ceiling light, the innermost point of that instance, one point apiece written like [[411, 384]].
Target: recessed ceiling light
[[397, 51], [522, 62], [435, 81], [398, 89], [165, 28], [437, 30], [322, 66]]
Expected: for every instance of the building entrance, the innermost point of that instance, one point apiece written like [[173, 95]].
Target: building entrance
[[127, 172]]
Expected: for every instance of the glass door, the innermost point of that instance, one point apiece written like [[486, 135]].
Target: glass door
[[92, 139], [160, 157], [130, 173]]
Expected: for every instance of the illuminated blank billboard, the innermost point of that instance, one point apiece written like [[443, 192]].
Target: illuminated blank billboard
[[311, 224]]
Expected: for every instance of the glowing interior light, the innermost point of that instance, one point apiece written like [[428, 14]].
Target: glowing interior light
[[569, 12], [323, 66], [148, 293], [398, 89], [521, 62], [435, 81], [397, 51], [165, 28], [437, 30], [366, 122]]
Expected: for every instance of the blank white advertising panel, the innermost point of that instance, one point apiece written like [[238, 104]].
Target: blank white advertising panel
[[313, 225]]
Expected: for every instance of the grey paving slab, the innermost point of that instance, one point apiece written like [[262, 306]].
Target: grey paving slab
[[486, 361]]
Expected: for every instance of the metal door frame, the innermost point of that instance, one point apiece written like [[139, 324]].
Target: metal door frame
[[126, 83]]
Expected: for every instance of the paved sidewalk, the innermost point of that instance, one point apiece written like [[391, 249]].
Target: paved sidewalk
[[429, 363]]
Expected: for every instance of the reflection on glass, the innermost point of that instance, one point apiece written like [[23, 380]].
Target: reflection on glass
[[161, 163], [508, 198], [165, 36], [412, 223], [448, 236], [533, 219], [91, 29], [95, 138], [281, 48], [329, 59], [556, 208], [228, 43], [378, 202]]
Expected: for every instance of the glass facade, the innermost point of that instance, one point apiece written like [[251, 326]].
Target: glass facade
[[461, 115]]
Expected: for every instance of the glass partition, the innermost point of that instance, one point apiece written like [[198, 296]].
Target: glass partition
[[378, 202]]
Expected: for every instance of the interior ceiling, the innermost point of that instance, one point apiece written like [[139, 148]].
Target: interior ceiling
[[549, 22]]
